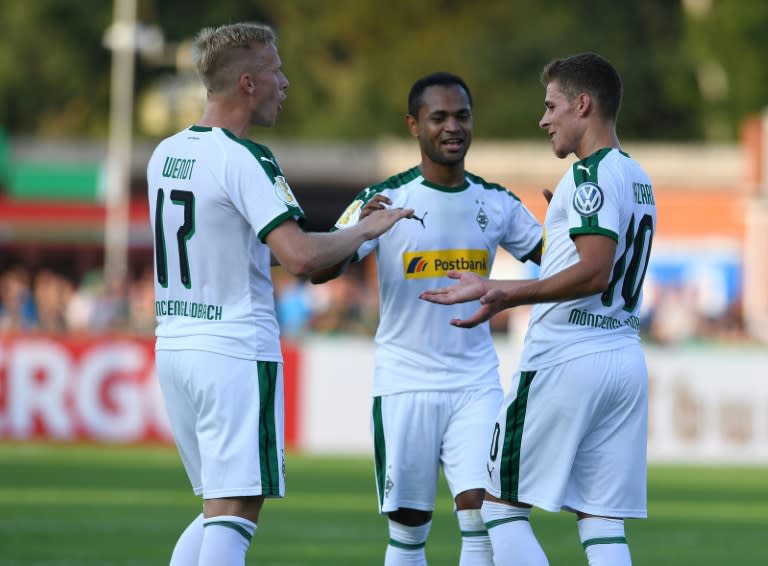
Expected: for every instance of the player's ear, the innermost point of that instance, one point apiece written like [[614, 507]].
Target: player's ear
[[246, 82], [584, 103], [412, 125]]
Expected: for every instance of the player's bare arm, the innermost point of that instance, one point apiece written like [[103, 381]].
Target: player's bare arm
[[301, 253], [589, 276], [324, 275]]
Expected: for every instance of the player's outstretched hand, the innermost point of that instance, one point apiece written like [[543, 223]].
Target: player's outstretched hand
[[491, 303], [379, 221], [378, 202], [468, 288]]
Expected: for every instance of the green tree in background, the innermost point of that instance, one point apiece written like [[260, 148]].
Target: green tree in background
[[727, 43], [693, 69], [54, 73]]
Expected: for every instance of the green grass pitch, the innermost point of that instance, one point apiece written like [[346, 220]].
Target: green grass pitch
[[116, 505]]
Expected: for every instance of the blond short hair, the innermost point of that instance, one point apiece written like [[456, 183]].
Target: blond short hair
[[218, 53]]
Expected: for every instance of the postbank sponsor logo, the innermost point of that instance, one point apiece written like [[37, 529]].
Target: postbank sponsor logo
[[436, 263]]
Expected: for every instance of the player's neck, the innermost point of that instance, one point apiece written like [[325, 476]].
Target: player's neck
[[443, 175], [220, 116], [596, 139]]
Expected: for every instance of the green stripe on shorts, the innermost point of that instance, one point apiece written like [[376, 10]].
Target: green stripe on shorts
[[268, 456], [379, 449], [513, 438]]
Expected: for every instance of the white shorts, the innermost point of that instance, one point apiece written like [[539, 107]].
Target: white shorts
[[574, 437], [226, 415], [415, 433]]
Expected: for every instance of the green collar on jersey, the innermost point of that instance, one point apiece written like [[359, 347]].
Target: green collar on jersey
[[445, 189]]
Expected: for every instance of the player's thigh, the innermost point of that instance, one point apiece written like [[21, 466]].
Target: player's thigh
[[407, 434], [609, 470], [537, 434], [241, 431], [177, 386], [238, 416], [467, 438]]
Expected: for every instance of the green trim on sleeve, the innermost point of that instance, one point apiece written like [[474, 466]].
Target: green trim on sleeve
[[593, 230], [295, 213], [536, 248]]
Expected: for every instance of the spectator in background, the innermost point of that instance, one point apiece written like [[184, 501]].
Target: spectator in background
[[52, 294], [141, 303], [96, 306], [343, 306], [18, 311], [293, 303]]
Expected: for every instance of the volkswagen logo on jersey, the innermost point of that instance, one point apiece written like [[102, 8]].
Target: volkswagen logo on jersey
[[587, 199]]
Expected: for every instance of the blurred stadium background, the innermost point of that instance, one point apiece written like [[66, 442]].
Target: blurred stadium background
[[87, 90]]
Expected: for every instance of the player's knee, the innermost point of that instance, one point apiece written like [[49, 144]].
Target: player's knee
[[246, 507], [470, 499], [410, 517], [408, 537]]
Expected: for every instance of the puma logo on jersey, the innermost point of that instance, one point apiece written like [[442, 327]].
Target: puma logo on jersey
[[421, 219], [585, 168], [269, 160]]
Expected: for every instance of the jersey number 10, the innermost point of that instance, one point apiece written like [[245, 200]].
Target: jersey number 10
[[634, 271]]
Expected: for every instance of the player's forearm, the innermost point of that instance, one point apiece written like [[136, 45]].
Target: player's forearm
[[324, 250], [575, 282]]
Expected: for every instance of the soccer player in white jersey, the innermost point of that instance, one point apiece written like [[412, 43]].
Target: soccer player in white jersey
[[572, 433], [219, 205], [436, 388]]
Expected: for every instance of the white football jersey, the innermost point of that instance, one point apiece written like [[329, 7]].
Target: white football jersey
[[456, 228], [609, 194], [213, 198]]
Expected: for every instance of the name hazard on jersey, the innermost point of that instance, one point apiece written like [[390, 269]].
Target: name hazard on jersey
[[437, 263]]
